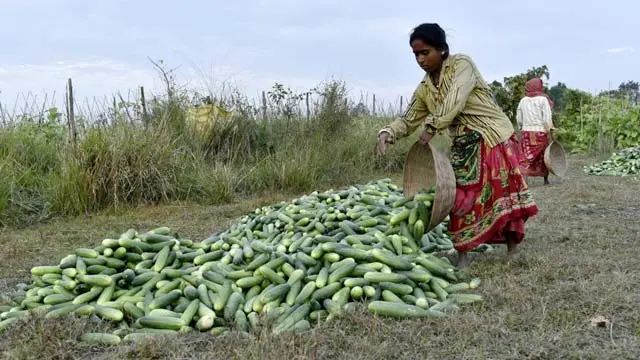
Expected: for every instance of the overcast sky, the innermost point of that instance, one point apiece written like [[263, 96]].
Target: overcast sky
[[104, 45]]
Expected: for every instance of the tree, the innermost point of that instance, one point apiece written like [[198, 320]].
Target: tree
[[575, 99], [500, 94], [627, 90], [558, 94], [509, 93], [629, 86]]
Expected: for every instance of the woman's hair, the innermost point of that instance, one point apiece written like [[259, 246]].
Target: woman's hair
[[432, 34]]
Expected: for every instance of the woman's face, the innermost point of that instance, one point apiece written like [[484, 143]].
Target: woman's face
[[428, 57]]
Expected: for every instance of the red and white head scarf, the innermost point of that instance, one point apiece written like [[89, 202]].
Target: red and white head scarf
[[535, 87]]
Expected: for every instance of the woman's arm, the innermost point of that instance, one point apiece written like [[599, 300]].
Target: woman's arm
[[546, 115], [464, 81], [410, 120], [520, 115]]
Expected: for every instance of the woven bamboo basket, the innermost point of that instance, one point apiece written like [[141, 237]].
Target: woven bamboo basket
[[555, 160], [424, 167]]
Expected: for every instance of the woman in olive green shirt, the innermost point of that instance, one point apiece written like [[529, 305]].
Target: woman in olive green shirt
[[493, 201]]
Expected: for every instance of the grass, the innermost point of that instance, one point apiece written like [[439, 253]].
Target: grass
[[579, 262], [45, 174]]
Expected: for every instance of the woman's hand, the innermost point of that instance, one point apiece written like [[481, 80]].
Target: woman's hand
[[425, 138], [383, 140]]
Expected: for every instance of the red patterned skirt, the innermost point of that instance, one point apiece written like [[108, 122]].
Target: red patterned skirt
[[493, 201], [532, 146]]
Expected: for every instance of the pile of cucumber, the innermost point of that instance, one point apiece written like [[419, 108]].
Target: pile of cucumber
[[626, 162], [286, 267]]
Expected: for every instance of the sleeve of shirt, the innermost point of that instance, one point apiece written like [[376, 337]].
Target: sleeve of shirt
[[520, 116], [463, 82], [412, 118], [546, 115]]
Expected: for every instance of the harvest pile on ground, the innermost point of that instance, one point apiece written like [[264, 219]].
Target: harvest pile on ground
[[284, 266], [623, 163]]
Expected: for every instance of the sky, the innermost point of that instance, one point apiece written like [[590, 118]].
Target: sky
[[106, 46]]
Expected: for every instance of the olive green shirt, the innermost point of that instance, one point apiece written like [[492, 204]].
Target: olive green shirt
[[461, 101]]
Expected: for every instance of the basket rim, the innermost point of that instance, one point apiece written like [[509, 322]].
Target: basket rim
[[442, 177], [556, 146]]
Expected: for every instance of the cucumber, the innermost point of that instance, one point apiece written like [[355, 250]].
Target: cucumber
[[95, 280], [378, 277], [271, 275], [398, 289], [222, 297], [294, 290], [107, 294], [356, 292], [108, 313], [391, 260], [249, 282], [341, 297], [55, 299], [352, 282], [400, 310], [275, 293], [305, 293], [161, 259], [351, 252], [474, 283], [42, 270], [233, 304], [164, 312], [297, 315], [164, 300], [241, 321], [132, 310], [205, 322], [84, 298], [295, 276], [454, 288], [95, 338], [61, 311], [161, 322], [86, 253], [400, 216], [342, 271], [81, 310], [326, 292], [466, 298], [323, 277], [438, 290]]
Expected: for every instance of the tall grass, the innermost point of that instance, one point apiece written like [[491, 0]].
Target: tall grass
[[122, 161]]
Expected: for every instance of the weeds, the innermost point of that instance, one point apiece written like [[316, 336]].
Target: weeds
[[128, 159]]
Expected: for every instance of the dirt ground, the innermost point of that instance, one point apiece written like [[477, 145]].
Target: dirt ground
[[580, 261]]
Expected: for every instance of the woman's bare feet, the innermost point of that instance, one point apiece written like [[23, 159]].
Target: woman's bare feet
[[511, 251]]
